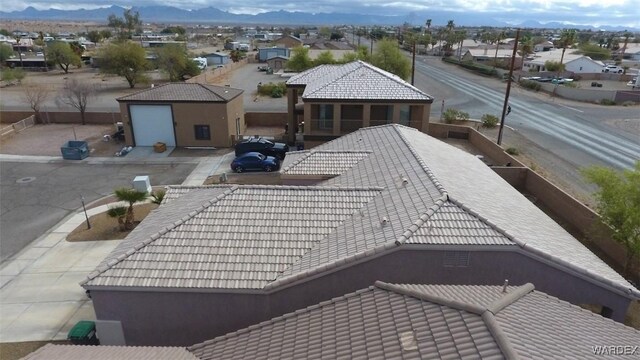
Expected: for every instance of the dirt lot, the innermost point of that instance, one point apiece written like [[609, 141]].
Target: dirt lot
[[46, 140]]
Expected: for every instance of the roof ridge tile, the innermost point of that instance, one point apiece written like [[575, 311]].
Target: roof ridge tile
[[419, 159], [510, 298], [422, 219], [490, 223], [455, 304]]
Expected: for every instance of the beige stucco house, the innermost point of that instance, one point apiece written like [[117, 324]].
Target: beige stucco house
[[182, 114], [339, 99]]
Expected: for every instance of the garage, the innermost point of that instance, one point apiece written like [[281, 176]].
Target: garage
[[152, 124]]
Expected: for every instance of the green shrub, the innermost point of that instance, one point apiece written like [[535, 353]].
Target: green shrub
[[277, 92], [607, 102], [451, 115], [268, 89], [573, 85], [512, 151], [158, 196], [9, 74], [489, 121], [531, 85], [479, 68]]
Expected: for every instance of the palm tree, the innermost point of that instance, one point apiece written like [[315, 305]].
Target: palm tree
[[526, 46], [498, 37], [118, 213], [130, 196], [428, 23], [460, 35], [567, 38], [18, 38], [450, 25], [626, 36]]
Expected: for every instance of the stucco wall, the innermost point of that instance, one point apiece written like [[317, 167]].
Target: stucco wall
[[181, 319], [62, 117], [579, 94]]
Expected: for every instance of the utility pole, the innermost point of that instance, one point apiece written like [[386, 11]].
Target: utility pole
[[506, 96], [413, 63]]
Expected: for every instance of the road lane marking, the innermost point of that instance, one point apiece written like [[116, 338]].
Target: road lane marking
[[570, 108]]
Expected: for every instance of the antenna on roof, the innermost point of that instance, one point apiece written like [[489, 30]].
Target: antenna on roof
[[504, 287]]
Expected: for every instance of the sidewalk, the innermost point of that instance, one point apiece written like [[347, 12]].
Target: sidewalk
[[40, 299]]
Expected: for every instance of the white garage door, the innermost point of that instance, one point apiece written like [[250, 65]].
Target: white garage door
[[152, 124]]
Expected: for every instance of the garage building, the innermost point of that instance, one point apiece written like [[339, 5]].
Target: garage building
[[183, 114]]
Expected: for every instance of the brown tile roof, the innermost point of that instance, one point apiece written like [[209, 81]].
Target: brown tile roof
[[184, 92], [78, 352], [407, 321]]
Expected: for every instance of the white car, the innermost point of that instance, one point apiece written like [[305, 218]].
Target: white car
[[40, 54], [612, 69]]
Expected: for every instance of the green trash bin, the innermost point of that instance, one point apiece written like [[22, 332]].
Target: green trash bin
[[83, 333]]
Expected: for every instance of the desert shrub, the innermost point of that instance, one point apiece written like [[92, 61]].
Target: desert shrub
[[573, 85], [450, 115], [628, 103], [489, 121], [268, 89], [607, 102], [277, 92], [531, 85], [479, 68], [512, 151]]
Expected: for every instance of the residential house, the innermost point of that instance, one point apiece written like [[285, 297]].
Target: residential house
[[183, 114], [386, 203], [217, 58], [576, 63], [392, 321], [488, 56], [543, 46], [278, 62], [265, 54], [630, 52], [288, 41], [338, 99]]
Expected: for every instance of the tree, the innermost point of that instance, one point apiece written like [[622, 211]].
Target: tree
[[361, 53], [498, 36], [325, 57], [567, 38], [236, 55], [77, 95], [62, 54], [594, 51], [5, 52], [130, 196], [618, 203], [94, 36], [35, 96], [119, 213], [174, 61], [106, 34], [389, 58], [428, 23], [526, 46], [126, 25], [299, 60], [553, 66], [626, 37], [125, 59]]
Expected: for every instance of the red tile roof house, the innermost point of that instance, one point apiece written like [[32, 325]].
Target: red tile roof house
[[386, 203], [408, 321]]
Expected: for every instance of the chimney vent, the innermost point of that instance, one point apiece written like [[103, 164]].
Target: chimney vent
[[504, 287]]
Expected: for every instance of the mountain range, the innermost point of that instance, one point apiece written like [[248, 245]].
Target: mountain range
[[281, 17]]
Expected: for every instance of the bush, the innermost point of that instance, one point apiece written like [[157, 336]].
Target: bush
[[9, 74], [531, 85], [607, 102], [479, 68], [270, 89], [451, 115], [512, 151], [277, 92], [489, 121]]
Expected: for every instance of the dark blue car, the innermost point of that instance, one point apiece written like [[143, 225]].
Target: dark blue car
[[254, 161]]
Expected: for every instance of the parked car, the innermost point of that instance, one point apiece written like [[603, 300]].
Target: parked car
[[254, 161], [40, 54], [612, 69], [263, 146]]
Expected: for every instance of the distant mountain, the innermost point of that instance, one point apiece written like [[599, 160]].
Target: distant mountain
[[281, 17], [558, 25]]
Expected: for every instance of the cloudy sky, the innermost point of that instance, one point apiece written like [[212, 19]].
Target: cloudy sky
[[625, 13]]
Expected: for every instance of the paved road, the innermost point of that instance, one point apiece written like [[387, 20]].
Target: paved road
[[29, 209], [575, 133]]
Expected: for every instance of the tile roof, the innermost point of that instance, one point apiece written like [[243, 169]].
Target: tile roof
[[494, 209], [355, 81], [396, 186], [241, 237], [188, 92], [407, 321], [325, 162], [78, 352]]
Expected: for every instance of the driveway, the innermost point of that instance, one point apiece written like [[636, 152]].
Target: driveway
[[36, 196]]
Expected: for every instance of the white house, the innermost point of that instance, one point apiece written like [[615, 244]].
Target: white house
[[575, 63], [543, 46]]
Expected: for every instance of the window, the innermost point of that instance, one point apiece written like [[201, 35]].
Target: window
[[202, 132], [351, 118], [381, 114], [405, 115], [322, 117]]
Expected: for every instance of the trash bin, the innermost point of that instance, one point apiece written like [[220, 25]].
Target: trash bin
[[75, 150], [83, 333]]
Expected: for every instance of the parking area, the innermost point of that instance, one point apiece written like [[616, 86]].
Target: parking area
[[606, 85], [247, 78]]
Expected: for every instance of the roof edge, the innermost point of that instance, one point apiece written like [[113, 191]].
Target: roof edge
[[415, 154], [154, 237], [472, 308]]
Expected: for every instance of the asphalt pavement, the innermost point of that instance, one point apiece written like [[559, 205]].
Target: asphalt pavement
[[37, 195]]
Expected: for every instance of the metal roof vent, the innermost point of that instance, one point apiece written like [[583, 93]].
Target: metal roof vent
[[504, 287], [384, 221], [405, 181]]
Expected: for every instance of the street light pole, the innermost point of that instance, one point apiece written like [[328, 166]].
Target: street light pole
[[506, 96]]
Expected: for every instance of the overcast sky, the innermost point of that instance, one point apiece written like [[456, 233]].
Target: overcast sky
[[589, 12]]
